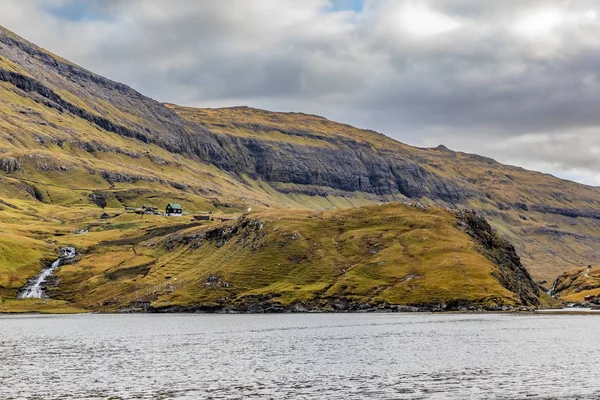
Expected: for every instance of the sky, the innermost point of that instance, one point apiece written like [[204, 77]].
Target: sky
[[514, 80]]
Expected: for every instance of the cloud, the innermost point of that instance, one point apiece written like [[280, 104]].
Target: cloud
[[514, 80]]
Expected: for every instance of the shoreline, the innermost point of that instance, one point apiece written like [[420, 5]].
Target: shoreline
[[562, 311]]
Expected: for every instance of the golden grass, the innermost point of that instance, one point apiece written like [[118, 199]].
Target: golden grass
[[574, 285], [389, 254], [23, 122], [38, 306], [304, 129]]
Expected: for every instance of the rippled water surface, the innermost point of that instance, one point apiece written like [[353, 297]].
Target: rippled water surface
[[300, 356]]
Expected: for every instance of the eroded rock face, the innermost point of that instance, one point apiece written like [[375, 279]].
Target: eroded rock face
[[10, 165], [567, 212], [220, 235], [349, 166], [511, 274], [114, 177], [96, 147]]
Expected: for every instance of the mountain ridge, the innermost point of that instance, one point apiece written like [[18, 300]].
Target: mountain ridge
[[441, 147]]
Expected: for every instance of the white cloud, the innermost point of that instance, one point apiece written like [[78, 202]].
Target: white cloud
[[419, 20], [540, 22]]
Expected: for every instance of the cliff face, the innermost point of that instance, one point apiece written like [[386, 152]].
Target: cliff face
[[510, 272], [348, 165], [66, 129]]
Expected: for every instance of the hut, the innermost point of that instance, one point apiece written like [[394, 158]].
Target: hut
[[174, 209]]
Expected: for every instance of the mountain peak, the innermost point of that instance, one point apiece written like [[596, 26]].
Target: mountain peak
[[441, 147]]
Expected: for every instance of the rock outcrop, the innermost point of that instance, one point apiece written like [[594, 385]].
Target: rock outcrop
[[10, 165], [511, 273]]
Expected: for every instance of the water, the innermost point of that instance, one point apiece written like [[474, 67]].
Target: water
[[299, 356], [35, 287], [552, 291]]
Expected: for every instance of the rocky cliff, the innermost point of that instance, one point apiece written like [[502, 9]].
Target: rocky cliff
[[511, 273]]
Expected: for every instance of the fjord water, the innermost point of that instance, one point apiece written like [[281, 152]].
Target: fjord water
[[300, 356]]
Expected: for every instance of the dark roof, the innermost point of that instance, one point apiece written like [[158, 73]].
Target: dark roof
[[174, 206]]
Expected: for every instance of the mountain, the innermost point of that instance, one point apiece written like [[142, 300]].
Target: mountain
[[554, 223], [72, 141]]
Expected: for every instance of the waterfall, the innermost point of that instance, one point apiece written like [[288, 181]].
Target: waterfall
[[553, 290], [35, 287]]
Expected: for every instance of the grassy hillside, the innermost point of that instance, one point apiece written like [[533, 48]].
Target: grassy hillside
[[577, 283], [371, 256]]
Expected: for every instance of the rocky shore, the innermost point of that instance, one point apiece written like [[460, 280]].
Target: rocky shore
[[338, 306]]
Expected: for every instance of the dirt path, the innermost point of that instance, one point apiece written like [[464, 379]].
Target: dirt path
[[586, 274]]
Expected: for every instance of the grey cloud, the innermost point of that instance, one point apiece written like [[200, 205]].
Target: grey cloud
[[478, 76]]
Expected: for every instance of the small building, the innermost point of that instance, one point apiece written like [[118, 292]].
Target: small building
[[589, 298], [174, 209], [202, 217], [148, 210], [104, 216]]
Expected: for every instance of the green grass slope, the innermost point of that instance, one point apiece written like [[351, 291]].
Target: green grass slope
[[349, 259]]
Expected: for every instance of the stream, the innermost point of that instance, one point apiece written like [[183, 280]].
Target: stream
[[552, 291], [35, 288]]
